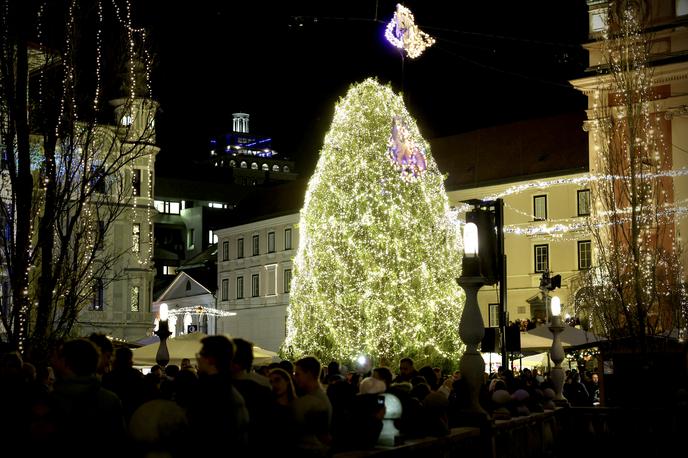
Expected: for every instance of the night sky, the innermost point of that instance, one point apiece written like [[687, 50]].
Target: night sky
[[286, 63]]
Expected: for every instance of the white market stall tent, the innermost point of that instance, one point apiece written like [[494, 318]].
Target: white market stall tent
[[186, 346]]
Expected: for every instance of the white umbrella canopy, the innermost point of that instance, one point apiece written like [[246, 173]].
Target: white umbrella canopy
[[186, 346], [570, 336]]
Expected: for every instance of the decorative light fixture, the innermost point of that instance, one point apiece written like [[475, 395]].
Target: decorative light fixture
[[403, 33], [162, 357], [556, 352], [472, 326]]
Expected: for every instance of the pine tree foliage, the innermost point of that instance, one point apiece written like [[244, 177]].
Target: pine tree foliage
[[379, 254]]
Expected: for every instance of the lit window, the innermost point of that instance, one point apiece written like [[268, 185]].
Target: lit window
[[265, 167], [584, 254], [254, 166], [681, 7], [232, 163], [126, 120], [285, 169], [287, 280], [163, 206], [240, 288], [243, 165], [287, 239], [583, 202], [275, 168], [136, 238], [256, 245], [541, 258], [190, 239], [212, 237], [271, 242], [134, 299], [169, 270], [225, 289], [255, 285], [598, 21], [540, 208]]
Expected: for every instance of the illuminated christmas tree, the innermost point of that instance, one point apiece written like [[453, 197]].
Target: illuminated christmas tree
[[379, 253]]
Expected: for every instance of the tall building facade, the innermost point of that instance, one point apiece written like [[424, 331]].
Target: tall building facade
[[122, 295]]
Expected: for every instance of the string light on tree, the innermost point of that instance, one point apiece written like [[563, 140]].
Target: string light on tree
[[376, 268]]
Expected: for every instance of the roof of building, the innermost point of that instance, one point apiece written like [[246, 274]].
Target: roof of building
[[202, 259], [512, 152]]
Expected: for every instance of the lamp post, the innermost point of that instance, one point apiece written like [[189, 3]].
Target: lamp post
[[162, 357], [472, 327], [557, 352]]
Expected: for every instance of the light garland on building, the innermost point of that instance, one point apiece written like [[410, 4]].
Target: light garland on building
[[403, 33]]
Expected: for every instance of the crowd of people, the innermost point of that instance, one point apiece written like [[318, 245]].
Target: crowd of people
[[91, 400]]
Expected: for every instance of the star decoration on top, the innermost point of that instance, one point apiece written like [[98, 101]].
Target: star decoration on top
[[404, 153], [403, 33]]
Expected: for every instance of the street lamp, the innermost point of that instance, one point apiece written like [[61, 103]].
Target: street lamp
[[557, 352], [472, 327], [162, 357]]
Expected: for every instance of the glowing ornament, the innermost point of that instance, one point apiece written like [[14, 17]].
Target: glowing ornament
[[403, 33], [408, 156]]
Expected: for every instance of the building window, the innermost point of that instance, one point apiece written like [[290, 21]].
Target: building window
[[285, 169], [255, 285], [681, 7], [225, 289], [240, 288], [136, 182], [583, 202], [169, 270], [265, 167], [97, 181], [271, 242], [225, 250], [287, 239], [540, 208], [168, 207], [256, 245], [541, 258], [287, 280], [134, 299], [493, 315], [584, 254], [136, 238], [217, 205], [275, 168], [212, 237], [243, 165], [254, 166], [100, 236], [271, 280], [240, 248], [188, 285], [190, 239], [98, 295]]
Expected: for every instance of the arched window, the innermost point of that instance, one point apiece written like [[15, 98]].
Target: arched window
[[266, 167], [285, 169], [243, 165], [232, 163], [275, 168], [188, 285], [254, 166]]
